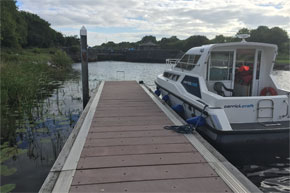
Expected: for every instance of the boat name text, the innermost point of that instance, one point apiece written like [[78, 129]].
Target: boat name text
[[239, 106]]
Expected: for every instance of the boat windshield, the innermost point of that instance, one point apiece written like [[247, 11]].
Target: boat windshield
[[188, 62]]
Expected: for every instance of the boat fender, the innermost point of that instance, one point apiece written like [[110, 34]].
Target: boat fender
[[178, 109], [269, 90], [157, 92], [197, 121], [165, 98]]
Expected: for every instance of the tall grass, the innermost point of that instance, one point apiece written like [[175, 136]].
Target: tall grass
[[27, 77], [25, 74]]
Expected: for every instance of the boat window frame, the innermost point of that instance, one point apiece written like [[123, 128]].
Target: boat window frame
[[188, 65], [171, 76], [230, 72], [257, 71]]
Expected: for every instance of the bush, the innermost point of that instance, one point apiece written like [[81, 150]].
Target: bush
[[61, 60]]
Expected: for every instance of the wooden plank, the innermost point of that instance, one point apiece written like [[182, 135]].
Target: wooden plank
[[134, 141], [140, 160], [140, 108], [177, 185], [95, 128], [137, 149], [112, 121], [141, 173], [127, 104], [123, 134], [118, 99], [110, 96], [127, 113]]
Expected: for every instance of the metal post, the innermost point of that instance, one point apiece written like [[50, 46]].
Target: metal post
[[84, 59]]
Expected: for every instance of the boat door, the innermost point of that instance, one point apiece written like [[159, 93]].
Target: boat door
[[244, 72]]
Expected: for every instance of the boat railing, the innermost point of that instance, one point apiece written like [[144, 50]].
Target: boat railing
[[172, 62]]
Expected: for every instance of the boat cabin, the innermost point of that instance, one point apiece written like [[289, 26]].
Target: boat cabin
[[232, 82], [232, 69]]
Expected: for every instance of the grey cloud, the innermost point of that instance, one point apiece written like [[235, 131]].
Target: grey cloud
[[167, 17]]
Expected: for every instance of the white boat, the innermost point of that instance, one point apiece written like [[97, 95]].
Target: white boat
[[231, 86]]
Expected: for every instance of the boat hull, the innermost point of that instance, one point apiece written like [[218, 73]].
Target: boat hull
[[243, 137], [268, 140]]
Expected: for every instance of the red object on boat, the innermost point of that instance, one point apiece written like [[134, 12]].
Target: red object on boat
[[244, 68], [267, 90]]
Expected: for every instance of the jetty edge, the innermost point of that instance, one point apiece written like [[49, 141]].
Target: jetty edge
[[57, 167]]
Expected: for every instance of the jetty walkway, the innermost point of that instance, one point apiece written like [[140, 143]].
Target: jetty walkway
[[122, 147]]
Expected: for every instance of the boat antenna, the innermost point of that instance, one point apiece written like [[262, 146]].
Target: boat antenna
[[243, 37]]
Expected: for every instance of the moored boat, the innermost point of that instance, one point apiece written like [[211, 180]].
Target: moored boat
[[230, 87]]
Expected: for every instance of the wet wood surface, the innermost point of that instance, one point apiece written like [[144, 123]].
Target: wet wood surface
[[127, 149]]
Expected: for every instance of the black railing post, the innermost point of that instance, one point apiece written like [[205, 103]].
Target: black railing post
[[84, 59]]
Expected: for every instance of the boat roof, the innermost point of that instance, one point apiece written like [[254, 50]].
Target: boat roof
[[209, 47]]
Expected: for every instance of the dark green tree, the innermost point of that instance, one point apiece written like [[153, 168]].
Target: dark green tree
[[39, 32], [71, 41], [243, 31], [150, 38], [261, 34], [168, 43], [279, 37], [194, 41], [218, 39], [59, 39], [13, 25]]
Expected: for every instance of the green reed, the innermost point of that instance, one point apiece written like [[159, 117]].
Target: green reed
[[26, 79]]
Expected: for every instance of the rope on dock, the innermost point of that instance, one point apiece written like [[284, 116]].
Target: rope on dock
[[184, 129]]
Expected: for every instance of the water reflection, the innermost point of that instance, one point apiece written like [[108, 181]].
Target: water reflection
[[268, 170], [36, 133]]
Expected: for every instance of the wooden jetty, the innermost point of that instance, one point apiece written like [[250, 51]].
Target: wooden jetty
[[119, 145]]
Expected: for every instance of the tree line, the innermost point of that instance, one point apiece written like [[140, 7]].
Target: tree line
[[263, 34], [20, 29]]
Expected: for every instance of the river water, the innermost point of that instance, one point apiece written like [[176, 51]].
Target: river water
[[39, 140]]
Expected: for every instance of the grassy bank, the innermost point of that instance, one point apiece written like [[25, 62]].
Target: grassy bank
[[24, 75], [283, 59]]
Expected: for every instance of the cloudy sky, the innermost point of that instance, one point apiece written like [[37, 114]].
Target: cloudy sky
[[130, 20]]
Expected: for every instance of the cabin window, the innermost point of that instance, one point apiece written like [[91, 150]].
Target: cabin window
[[188, 61], [221, 65], [171, 76]]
